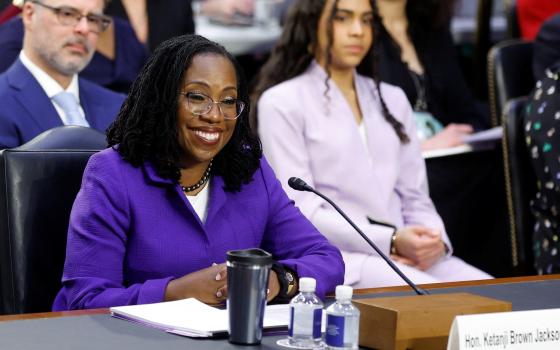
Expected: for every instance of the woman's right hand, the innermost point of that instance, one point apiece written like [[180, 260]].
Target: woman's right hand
[[453, 135], [227, 8], [208, 285], [418, 246]]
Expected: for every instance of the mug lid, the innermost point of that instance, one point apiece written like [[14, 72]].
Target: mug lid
[[254, 256]]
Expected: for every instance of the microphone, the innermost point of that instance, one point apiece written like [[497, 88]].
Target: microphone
[[299, 185]]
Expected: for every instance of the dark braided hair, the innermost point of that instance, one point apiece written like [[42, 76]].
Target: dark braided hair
[[295, 50], [146, 127]]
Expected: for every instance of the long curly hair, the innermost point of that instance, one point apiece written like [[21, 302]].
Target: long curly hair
[[295, 50], [146, 126]]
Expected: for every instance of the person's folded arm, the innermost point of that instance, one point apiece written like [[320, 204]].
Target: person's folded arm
[[412, 184]]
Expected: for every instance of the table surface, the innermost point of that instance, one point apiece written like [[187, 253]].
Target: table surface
[[96, 329]]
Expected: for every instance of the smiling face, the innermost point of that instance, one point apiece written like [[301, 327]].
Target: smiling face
[[202, 137], [352, 33], [60, 50]]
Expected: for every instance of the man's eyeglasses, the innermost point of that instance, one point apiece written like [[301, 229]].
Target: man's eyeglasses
[[69, 16], [200, 104]]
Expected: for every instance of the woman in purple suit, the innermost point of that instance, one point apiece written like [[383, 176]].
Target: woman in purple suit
[[183, 182]]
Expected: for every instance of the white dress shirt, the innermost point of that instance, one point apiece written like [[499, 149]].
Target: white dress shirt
[[52, 87]]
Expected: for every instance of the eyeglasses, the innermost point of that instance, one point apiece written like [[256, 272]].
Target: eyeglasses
[[69, 16], [200, 104]]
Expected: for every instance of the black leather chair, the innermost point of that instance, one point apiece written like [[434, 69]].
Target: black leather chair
[[510, 74], [521, 183], [38, 184], [67, 137]]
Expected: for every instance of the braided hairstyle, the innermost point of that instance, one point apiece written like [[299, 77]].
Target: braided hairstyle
[[295, 50], [146, 126]]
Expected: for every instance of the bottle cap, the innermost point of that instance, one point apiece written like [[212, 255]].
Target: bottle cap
[[343, 292], [307, 284]]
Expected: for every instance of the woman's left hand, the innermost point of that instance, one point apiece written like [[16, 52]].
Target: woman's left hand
[[420, 246], [273, 286]]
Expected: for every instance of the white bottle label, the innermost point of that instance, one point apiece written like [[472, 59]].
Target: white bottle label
[[305, 321]]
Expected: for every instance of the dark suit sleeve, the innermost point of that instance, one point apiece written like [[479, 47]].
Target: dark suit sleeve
[[546, 47], [11, 42], [8, 133], [456, 103], [10, 136]]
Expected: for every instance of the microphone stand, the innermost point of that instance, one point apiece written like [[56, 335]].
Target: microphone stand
[[417, 289], [410, 321]]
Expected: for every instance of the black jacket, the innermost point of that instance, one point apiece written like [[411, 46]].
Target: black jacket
[[448, 96]]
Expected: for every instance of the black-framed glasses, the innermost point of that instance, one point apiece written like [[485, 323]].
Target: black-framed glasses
[[69, 16], [200, 104]]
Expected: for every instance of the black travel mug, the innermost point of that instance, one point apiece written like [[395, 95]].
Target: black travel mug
[[247, 281]]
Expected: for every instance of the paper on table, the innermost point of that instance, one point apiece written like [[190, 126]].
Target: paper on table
[[485, 135], [193, 318]]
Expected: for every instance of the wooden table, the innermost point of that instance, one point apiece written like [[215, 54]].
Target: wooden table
[[358, 292]]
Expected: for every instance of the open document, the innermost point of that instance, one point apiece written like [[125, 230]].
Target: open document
[[492, 134], [480, 140], [192, 318]]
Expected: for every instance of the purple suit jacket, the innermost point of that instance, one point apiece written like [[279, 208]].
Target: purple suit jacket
[[131, 232]]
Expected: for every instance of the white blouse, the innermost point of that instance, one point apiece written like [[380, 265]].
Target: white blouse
[[199, 202]]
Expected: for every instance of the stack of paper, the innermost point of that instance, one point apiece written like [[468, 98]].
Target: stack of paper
[[192, 318]]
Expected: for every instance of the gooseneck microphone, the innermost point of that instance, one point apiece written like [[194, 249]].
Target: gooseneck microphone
[[299, 185]]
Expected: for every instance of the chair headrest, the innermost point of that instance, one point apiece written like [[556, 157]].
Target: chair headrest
[[67, 137]]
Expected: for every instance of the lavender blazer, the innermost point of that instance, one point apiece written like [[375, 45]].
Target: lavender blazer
[[316, 138], [131, 232]]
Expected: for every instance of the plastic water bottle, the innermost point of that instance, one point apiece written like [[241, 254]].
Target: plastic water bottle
[[305, 316], [343, 321]]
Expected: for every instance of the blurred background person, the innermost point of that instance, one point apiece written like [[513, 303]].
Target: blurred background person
[[118, 56], [546, 47], [155, 21], [324, 116], [41, 89], [542, 123], [416, 52]]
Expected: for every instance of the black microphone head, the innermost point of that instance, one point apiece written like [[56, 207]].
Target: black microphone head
[[299, 185]]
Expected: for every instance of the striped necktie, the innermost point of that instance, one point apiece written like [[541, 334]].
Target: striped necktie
[[71, 108]]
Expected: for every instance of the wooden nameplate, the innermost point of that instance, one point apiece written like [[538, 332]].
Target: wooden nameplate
[[419, 322]]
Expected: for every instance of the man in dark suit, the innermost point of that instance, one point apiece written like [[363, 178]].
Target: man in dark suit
[[41, 90]]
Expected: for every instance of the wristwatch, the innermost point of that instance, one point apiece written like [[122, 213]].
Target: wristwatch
[[287, 280]]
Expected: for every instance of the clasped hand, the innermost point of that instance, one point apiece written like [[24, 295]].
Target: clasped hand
[[418, 246], [209, 285]]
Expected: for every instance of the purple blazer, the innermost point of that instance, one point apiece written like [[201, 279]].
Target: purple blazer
[[132, 231]]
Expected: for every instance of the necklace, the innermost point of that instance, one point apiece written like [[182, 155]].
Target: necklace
[[419, 85], [201, 182]]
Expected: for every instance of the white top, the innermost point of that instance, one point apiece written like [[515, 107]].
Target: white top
[[52, 87], [362, 131], [199, 202]]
